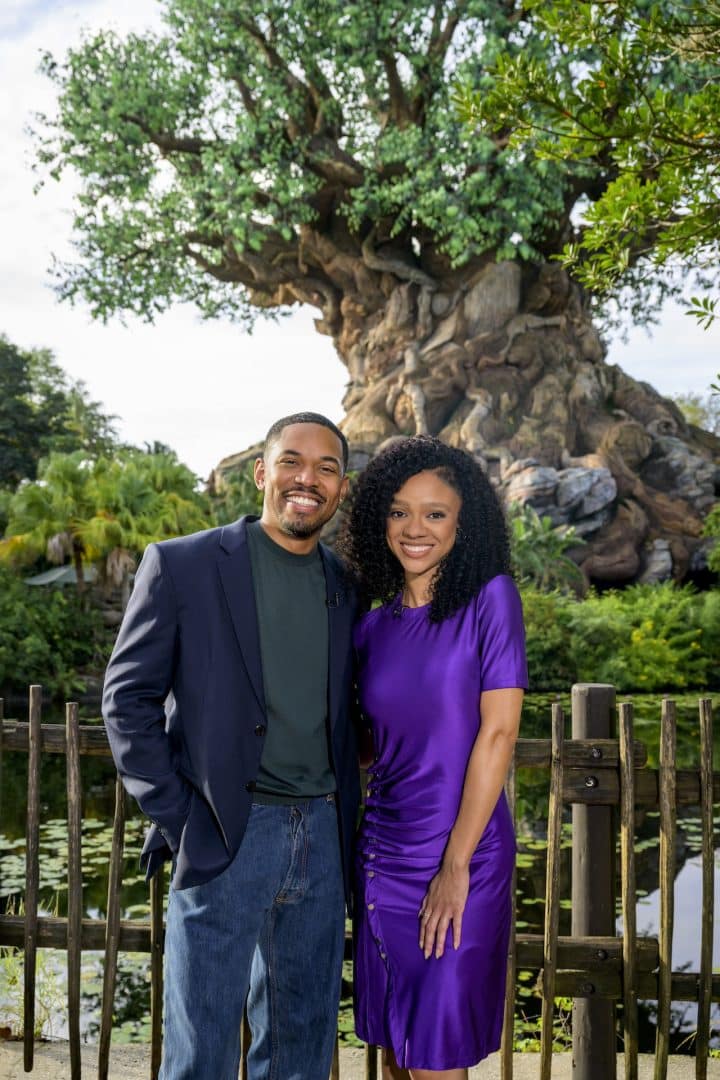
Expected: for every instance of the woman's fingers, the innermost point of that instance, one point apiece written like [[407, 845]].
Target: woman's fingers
[[437, 912], [424, 916], [441, 935], [457, 930], [434, 927], [428, 925]]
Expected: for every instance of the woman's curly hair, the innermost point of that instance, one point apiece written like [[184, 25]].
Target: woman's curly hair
[[481, 549]]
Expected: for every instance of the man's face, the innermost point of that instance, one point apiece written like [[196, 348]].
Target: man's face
[[301, 476]]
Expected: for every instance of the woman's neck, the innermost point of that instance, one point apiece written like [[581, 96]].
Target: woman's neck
[[416, 593]]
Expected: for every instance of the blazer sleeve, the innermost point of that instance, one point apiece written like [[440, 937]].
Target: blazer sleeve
[[138, 680]]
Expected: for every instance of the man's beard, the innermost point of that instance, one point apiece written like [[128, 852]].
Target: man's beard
[[301, 530]]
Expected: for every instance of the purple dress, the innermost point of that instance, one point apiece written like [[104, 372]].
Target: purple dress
[[420, 685]]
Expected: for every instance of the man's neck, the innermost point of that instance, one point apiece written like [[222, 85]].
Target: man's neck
[[298, 545]]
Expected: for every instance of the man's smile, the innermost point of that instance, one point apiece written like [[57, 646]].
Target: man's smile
[[304, 501]]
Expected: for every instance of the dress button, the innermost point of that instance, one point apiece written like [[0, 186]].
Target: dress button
[[371, 907], [260, 729], [250, 786], [383, 956], [371, 873], [371, 855]]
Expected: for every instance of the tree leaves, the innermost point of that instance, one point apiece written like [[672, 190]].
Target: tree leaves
[[639, 107], [206, 153]]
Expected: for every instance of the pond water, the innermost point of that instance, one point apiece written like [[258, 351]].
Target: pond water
[[132, 998]]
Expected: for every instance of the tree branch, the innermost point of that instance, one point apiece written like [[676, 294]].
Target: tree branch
[[386, 265], [292, 81], [247, 98], [333, 163], [442, 36], [165, 140], [399, 107]]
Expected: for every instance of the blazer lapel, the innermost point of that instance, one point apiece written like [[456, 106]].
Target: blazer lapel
[[338, 614], [236, 576]]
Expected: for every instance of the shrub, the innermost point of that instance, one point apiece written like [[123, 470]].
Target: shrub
[[551, 664], [652, 638], [538, 550], [647, 637], [45, 636]]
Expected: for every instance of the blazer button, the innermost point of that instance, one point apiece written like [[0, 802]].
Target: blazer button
[[260, 729], [250, 786]]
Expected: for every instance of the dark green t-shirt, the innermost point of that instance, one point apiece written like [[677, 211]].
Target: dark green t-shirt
[[293, 626]]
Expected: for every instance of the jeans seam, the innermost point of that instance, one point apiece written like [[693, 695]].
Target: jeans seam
[[303, 882], [274, 1041]]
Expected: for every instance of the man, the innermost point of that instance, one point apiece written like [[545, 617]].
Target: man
[[227, 708]]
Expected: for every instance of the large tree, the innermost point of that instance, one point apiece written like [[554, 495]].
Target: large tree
[[263, 153]]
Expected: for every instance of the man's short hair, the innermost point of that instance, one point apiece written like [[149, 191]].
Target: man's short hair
[[307, 418]]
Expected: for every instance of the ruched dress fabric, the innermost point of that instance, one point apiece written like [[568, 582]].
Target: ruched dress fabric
[[420, 685]]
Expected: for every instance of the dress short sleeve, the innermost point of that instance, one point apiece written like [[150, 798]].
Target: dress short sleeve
[[502, 635]]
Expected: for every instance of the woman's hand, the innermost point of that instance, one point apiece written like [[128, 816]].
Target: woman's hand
[[443, 904]]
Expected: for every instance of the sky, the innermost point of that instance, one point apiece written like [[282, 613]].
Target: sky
[[208, 389]]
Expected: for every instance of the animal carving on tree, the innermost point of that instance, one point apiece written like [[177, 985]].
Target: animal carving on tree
[[252, 156]]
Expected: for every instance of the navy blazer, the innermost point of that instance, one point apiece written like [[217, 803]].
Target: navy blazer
[[184, 706]]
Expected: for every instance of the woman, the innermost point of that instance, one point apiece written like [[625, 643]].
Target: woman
[[441, 671]]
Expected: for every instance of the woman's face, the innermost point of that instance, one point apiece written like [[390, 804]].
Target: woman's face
[[422, 523]]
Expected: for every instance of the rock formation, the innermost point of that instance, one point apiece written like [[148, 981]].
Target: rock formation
[[507, 363]]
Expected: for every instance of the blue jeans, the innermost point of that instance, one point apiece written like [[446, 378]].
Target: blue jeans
[[269, 927]]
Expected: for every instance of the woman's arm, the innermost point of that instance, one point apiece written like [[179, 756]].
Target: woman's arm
[[487, 769]]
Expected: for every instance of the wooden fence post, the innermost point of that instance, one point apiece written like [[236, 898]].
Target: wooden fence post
[[593, 888], [708, 889], [74, 881], [32, 873]]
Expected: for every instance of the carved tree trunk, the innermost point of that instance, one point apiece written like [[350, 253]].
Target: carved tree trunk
[[506, 362]]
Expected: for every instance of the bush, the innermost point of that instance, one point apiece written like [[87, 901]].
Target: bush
[[652, 638], [647, 637], [538, 551], [551, 665], [45, 636]]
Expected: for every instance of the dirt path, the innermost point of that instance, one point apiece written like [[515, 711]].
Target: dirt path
[[133, 1063]]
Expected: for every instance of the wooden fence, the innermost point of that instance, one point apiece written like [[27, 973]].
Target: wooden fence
[[604, 778]]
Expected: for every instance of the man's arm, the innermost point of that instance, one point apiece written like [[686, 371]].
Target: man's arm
[[139, 678]]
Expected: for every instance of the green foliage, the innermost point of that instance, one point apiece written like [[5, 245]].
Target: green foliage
[[252, 156], [711, 528], [102, 509], [644, 638], [641, 113], [239, 495], [704, 310], [42, 411], [50, 994], [702, 410], [548, 638], [538, 550], [45, 636]]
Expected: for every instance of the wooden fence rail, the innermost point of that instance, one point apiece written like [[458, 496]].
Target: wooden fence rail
[[605, 776]]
